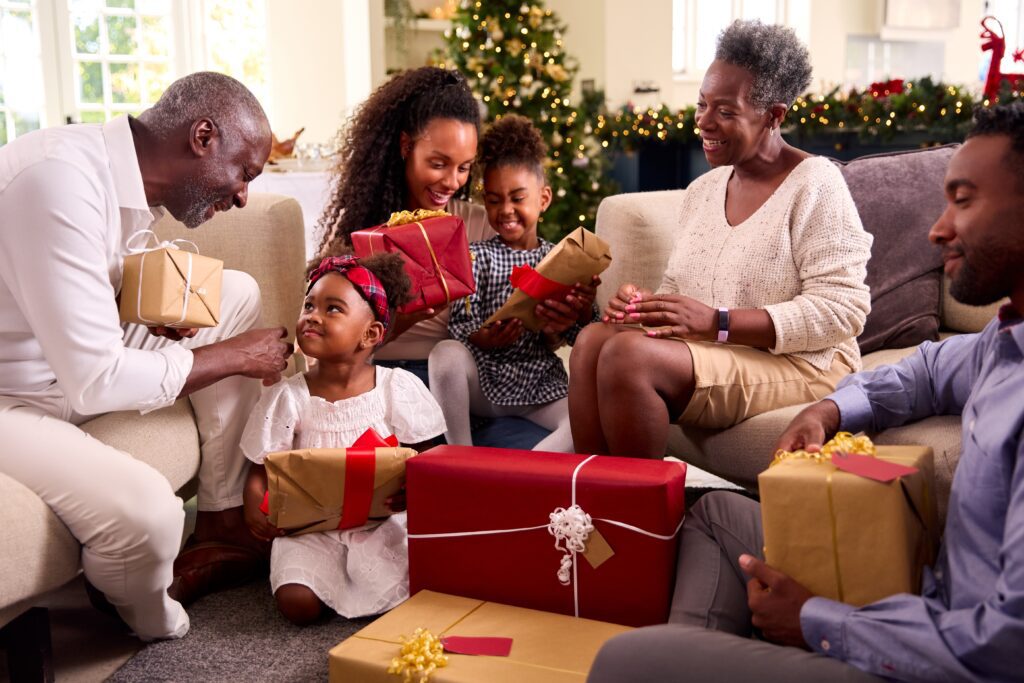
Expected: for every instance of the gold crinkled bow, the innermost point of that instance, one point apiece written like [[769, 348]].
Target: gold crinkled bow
[[405, 217], [421, 656], [842, 442]]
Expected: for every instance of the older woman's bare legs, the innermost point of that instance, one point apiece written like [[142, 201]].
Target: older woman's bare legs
[[625, 390]]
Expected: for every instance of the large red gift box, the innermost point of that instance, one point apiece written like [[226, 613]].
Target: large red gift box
[[482, 522], [436, 255]]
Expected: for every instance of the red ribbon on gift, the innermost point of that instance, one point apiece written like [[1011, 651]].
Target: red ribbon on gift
[[360, 467], [535, 285]]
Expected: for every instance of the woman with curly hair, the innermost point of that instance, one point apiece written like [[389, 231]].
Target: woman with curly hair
[[764, 294], [411, 145], [502, 369]]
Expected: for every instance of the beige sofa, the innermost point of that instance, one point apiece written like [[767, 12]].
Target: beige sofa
[[37, 553], [640, 229]]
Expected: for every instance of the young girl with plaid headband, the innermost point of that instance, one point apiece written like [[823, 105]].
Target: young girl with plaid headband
[[503, 369], [349, 306]]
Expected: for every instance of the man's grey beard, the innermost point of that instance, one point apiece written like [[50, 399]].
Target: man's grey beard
[[199, 201]]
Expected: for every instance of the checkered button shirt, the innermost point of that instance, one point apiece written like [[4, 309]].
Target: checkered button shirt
[[527, 372]]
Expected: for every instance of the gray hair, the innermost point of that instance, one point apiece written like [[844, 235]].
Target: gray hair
[[779, 62], [206, 94]]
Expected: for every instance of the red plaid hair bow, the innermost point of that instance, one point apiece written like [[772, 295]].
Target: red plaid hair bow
[[366, 283]]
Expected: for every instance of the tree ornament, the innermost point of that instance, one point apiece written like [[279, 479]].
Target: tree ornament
[[557, 139]]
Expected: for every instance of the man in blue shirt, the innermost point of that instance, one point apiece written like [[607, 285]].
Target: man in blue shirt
[[968, 623]]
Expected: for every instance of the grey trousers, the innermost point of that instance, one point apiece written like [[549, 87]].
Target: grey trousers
[[709, 637]]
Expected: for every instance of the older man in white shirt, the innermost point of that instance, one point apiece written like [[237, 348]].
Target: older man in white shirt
[[70, 200]]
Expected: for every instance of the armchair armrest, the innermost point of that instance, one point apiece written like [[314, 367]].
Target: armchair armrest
[[641, 230]]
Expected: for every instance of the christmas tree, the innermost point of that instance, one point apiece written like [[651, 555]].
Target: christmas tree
[[512, 55]]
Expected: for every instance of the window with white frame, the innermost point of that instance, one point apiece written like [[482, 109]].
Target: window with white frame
[[91, 60], [21, 72], [697, 23]]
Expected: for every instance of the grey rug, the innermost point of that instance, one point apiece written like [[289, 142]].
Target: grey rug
[[237, 635]]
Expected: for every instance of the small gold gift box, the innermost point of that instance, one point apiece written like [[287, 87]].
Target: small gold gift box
[[171, 287]]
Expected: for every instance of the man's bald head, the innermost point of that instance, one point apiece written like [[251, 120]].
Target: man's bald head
[[206, 94]]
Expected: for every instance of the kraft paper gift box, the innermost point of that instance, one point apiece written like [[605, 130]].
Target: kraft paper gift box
[[479, 527], [848, 537], [435, 249], [546, 648], [322, 489], [171, 287], [577, 258]]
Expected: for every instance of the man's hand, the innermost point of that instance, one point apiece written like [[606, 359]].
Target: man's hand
[[810, 428], [615, 311], [173, 333], [497, 335], [775, 601], [263, 353], [675, 315]]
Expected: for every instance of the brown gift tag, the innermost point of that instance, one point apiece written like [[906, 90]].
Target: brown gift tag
[[598, 551]]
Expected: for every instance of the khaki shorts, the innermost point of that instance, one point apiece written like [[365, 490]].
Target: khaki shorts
[[736, 382]]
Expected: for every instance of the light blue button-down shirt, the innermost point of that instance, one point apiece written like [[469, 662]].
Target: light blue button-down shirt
[[968, 624]]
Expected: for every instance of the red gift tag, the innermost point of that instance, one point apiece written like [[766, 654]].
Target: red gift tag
[[471, 645], [870, 468]]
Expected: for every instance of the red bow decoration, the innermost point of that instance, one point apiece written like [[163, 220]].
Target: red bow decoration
[[885, 88], [535, 285]]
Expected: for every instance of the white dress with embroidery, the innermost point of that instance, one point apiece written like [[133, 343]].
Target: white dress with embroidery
[[356, 572]]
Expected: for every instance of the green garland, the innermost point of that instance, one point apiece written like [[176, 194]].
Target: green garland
[[938, 112]]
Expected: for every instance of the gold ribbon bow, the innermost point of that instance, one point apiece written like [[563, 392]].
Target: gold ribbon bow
[[406, 217], [842, 442], [421, 655]]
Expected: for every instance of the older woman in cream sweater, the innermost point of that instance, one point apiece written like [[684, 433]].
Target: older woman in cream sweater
[[764, 293]]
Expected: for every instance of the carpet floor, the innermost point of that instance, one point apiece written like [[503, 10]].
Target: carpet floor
[[237, 635]]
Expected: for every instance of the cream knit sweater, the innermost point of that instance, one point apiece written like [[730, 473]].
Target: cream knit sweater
[[802, 256]]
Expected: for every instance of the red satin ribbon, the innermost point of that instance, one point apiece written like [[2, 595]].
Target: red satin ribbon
[[535, 285], [360, 465]]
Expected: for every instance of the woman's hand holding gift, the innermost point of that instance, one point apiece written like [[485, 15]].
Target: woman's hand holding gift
[[615, 311], [497, 335], [673, 315]]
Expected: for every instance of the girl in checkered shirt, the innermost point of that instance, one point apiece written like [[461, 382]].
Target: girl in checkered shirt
[[503, 369]]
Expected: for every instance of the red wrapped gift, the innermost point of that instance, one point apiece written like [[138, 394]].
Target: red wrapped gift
[[435, 249], [512, 527]]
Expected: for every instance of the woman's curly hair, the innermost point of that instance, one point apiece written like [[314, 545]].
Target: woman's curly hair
[[369, 177], [513, 140], [389, 269], [779, 62]]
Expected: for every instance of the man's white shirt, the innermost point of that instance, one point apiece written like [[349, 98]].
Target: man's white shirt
[[70, 199]]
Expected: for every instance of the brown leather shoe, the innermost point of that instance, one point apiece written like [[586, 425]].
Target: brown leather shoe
[[205, 568]]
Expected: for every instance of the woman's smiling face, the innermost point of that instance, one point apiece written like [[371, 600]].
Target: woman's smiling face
[[731, 128], [437, 162]]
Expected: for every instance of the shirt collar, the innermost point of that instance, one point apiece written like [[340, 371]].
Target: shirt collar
[[1010, 321], [124, 164]]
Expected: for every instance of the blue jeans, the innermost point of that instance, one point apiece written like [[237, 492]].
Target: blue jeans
[[498, 432]]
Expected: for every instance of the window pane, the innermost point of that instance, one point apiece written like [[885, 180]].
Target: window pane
[[679, 43], [87, 35], [121, 34], [25, 122], [93, 117], [236, 38], [124, 83], [712, 17], [158, 77], [156, 36], [128, 4], [3, 130], [90, 77], [1, 94]]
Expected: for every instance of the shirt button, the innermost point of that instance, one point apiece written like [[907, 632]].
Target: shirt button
[[972, 424], [825, 645]]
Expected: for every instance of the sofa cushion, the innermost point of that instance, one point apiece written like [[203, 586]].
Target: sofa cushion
[[899, 196]]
